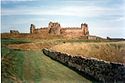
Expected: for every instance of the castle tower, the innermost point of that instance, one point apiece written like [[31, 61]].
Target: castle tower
[[54, 28], [85, 29], [32, 28]]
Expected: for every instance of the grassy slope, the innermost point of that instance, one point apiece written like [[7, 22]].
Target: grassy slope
[[110, 51], [42, 69], [34, 66]]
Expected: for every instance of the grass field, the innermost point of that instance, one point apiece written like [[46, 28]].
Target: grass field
[[24, 62], [109, 51], [20, 66], [38, 44]]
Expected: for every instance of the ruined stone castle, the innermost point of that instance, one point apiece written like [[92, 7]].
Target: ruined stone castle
[[55, 28]]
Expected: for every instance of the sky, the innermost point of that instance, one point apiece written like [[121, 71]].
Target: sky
[[104, 17]]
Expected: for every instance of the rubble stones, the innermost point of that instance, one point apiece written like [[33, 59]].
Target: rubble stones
[[14, 31]]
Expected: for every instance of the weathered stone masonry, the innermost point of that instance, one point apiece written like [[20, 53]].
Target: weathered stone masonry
[[55, 28], [104, 71]]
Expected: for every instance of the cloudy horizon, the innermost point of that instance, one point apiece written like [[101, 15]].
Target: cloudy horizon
[[104, 17]]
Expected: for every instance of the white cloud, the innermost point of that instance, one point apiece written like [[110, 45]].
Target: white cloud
[[102, 26], [86, 11], [15, 0], [120, 19], [105, 31]]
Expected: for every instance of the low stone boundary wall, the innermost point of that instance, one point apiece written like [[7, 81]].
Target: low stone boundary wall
[[104, 71]]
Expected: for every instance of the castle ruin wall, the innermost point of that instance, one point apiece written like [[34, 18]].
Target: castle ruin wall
[[56, 29]]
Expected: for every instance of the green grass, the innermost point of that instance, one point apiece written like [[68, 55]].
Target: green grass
[[14, 41], [12, 62], [45, 70], [34, 67]]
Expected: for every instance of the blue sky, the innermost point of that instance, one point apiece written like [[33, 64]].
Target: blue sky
[[104, 17]]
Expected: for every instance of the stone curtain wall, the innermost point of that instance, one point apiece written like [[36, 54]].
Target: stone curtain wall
[[98, 69], [55, 28], [72, 32]]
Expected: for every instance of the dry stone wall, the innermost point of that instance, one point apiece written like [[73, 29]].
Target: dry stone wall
[[107, 72]]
